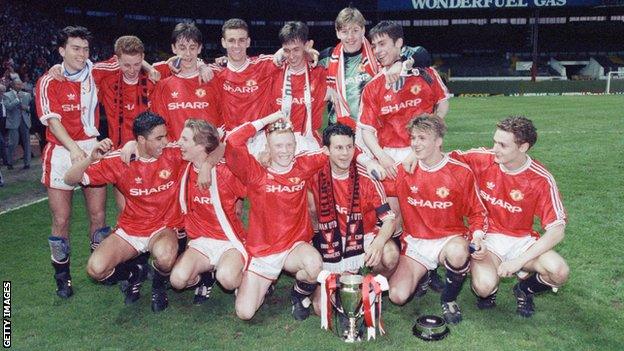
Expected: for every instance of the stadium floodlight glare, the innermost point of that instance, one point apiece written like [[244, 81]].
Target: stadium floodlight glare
[[619, 74]]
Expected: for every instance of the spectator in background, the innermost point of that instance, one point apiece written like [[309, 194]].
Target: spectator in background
[[3, 153], [18, 122]]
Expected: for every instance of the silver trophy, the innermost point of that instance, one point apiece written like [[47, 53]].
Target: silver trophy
[[348, 304]]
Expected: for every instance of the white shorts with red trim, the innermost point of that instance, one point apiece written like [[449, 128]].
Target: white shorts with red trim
[[213, 249], [425, 251], [508, 247], [398, 154], [56, 161], [140, 243], [349, 264], [270, 267]]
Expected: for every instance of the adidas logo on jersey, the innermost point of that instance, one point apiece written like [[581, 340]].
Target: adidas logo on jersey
[[397, 107]]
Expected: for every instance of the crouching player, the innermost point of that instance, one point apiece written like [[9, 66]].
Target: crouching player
[[515, 189], [149, 185], [279, 222], [349, 205], [434, 200], [210, 220]]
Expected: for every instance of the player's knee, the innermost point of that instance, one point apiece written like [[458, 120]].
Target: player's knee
[[313, 265], [457, 253], [60, 223], [97, 268], [179, 278], [244, 311], [559, 272], [484, 286], [164, 255], [229, 277], [398, 296]]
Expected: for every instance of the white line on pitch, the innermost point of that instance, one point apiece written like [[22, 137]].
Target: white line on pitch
[[23, 205]]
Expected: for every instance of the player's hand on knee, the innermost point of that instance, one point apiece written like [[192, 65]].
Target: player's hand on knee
[[509, 268], [481, 250], [373, 253], [76, 155]]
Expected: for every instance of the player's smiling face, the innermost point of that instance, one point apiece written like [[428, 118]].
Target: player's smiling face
[[130, 65], [507, 152], [294, 52], [386, 50], [351, 36], [282, 147], [75, 54], [235, 42], [187, 50], [426, 145], [191, 151], [155, 142], [341, 151]]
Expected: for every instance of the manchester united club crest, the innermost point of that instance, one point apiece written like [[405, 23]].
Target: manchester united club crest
[[516, 195], [442, 192], [415, 89], [200, 92], [251, 83], [295, 180], [164, 174]]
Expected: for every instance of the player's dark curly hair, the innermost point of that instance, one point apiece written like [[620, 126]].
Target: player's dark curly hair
[[521, 127], [145, 123], [73, 32], [337, 129]]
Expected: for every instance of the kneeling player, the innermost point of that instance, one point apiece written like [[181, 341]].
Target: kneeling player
[[350, 204], [149, 185], [210, 220], [515, 189], [434, 200], [279, 223]]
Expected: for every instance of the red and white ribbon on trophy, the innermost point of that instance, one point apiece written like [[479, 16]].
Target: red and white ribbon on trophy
[[329, 284], [372, 288]]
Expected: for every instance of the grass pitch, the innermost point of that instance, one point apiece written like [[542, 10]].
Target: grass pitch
[[580, 141]]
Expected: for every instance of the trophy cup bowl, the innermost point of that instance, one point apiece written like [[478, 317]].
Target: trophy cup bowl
[[349, 304]]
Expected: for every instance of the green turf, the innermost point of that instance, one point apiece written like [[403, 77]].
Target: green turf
[[580, 141]]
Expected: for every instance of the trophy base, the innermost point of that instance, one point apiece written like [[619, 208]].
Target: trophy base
[[344, 330]]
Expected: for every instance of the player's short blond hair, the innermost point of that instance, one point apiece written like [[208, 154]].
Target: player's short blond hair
[[428, 123], [204, 133], [129, 45], [349, 15]]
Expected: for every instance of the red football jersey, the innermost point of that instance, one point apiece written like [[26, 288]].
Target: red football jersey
[[373, 203], [201, 219], [61, 100], [318, 90], [513, 199], [178, 98], [278, 215], [148, 185], [434, 201], [387, 112], [123, 100], [245, 92]]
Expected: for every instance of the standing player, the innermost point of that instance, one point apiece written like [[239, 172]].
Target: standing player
[[350, 206], [299, 90], [434, 200], [149, 185], [210, 220], [278, 191], [515, 189], [385, 111], [69, 110], [181, 95]]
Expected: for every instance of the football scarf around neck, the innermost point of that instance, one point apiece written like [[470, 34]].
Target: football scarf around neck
[[336, 75], [119, 103], [88, 96], [328, 239], [287, 99]]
